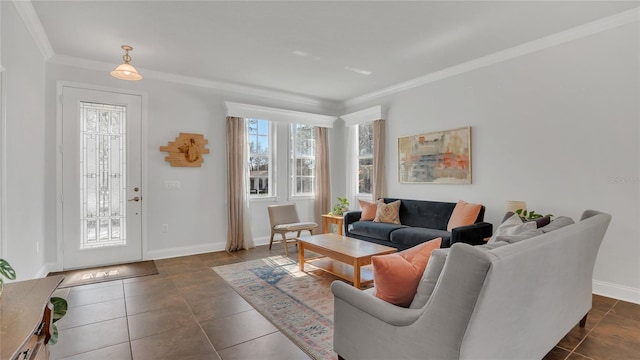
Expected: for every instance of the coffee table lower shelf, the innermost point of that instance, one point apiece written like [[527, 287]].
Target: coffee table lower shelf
[[342, 270]]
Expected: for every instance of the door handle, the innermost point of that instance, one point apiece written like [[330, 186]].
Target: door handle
[[135, 198]]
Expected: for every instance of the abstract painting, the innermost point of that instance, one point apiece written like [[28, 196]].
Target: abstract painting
[[442, 157]]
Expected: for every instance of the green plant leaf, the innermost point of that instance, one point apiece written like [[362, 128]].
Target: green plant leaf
[[54, 336], [519, 212], [6, 270], [60, 307]]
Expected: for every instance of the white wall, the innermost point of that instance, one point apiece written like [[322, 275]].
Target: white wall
[[196, 214], [24, 79], [558, 128]]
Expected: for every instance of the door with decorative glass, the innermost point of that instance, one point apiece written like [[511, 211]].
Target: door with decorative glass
[[101, 177]]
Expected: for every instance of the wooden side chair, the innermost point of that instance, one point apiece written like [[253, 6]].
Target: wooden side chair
[[284, 219]]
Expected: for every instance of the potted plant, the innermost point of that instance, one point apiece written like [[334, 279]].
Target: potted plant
[[530, 215], [341, 207], [60, 307], [6, 271]]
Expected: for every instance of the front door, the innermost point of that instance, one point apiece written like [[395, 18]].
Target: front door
[[101, 177]]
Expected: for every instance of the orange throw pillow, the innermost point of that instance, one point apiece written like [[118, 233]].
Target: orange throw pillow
[[368, 210], [396, 276], [463, 214]]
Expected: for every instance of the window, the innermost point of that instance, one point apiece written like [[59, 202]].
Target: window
[[103, 164], [260, 133], [365, 158], [303, 157]]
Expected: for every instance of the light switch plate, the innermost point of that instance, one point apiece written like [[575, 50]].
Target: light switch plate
[[171, 184]]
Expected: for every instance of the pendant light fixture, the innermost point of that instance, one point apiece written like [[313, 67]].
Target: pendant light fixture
[[126, 71]]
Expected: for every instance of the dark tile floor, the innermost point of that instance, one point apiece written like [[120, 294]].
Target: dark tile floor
[[188, 312]]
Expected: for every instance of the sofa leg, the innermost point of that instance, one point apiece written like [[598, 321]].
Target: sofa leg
[[583, 322]]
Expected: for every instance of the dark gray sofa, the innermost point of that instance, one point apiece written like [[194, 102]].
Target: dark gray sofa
[[420, 221]]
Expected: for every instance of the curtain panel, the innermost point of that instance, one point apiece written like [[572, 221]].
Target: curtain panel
[[352, 165], [323, 183], [379, 188], [239, 216]]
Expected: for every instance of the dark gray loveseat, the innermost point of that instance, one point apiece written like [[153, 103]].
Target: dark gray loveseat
[[420, 221]]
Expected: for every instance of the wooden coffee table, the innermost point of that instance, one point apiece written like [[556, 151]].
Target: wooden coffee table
[[344, 256]]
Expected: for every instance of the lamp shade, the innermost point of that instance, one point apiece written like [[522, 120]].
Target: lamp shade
[[513, 205], [126, 72]]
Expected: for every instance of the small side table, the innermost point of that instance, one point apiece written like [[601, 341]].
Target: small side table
[[332, 219]]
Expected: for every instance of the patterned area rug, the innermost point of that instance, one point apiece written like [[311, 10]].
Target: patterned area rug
[[299, 304]]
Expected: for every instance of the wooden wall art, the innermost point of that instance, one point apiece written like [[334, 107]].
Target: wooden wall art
[[187, 150]]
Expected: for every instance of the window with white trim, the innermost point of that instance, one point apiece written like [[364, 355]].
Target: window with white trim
[[365, 158], [260, 135], [303, 159]]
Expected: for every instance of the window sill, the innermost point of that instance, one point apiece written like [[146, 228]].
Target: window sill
[[366, 197], [263, 199], [301, 197]]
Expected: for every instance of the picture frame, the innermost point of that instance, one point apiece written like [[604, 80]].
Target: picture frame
[[441, 157]]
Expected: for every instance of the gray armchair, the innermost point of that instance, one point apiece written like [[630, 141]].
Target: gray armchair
[[514, 301]]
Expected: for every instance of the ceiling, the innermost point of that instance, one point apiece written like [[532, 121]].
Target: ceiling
[[318, 49]]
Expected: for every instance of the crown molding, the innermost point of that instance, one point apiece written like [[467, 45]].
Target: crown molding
[[226, 87], [363, 116], [562, 37], [32, 22], [280, 115]]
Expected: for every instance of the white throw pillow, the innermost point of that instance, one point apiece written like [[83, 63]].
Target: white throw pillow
[[512, 226]]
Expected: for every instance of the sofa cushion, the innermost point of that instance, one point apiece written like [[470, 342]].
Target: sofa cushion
[[540, 222], [430, 277], [426, 214], [368, 210], [557, 223], [396, 276], [512, 226], [463, 214], [543, 221], [380, 231], [510, 239], [411, 236], [388, 213], [432, 273]]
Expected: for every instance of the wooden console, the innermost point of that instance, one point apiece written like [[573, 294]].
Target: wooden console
[[26, 317]]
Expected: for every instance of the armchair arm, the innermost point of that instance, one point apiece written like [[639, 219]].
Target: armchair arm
[[351, 217], [472, 234], [379, 309]]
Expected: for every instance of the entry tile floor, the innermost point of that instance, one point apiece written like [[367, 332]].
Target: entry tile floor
[[188, 312]]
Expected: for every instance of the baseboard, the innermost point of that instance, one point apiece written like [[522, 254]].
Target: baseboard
[[183, 251], [46, 269], [261, 241], [620, 292], [194, 249]]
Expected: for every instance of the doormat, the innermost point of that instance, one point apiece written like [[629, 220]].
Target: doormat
[[106, 273], [299, 304]]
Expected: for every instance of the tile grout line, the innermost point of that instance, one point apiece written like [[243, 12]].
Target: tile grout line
[[573, 351], [126, 315], [259, 337], [196, 319]]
